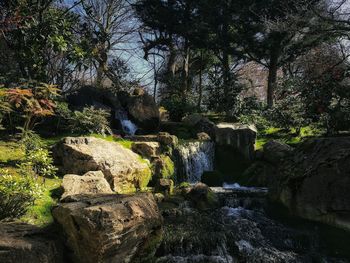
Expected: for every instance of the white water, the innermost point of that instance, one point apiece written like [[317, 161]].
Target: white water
[[196, 158], [128, 126]]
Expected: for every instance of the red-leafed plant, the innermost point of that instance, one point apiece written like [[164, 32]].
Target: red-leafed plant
[[33, 102]]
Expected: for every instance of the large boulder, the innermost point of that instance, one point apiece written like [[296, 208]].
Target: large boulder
[[23, 243], [142, 109], [239, 137], [122, 168], [110, 228], [314, 182], [275, 151], [92, 182]]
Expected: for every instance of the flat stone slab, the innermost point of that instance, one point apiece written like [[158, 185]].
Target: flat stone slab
[[242, 191]]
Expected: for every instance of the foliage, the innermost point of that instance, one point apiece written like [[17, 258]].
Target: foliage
[[32, 101], [30, 140], [90, 120], [250, 111], [41, 43], [4, 105], [17, 194], [290, 109], [41, 162], [222, 96], [177, 107]]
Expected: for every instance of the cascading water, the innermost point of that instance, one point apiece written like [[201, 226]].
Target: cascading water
[[195, 158], [240, 229], [128, 126]]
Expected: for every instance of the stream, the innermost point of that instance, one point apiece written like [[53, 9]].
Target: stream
[[246, 228]]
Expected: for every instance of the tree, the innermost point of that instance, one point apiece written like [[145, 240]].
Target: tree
[[274, 33], [108, 24], [35, 37]]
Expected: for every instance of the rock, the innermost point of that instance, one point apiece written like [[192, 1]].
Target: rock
[[240, 137], [92, 182], [143, 110], [146, 149], [159, 197], [203, 197], [163, 167], [199, 123], [193, 119], [110, 228], [314, 182], [168, 140], [275, 151], [202, 136], [164, 138], [165, 186], [121, 167], [23, 243]]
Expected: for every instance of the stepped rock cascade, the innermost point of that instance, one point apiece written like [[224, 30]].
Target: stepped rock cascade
[[240, 229], [195, 158], [128, 126]]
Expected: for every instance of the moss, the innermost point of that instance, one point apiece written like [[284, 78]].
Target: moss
[[144, 178], [125, 143], [168, 170], [184, 185]]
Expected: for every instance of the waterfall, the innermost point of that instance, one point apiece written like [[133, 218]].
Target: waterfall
[[128, 126], [195, 158]]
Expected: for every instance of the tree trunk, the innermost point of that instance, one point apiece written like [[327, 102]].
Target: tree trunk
[[172, 61], [155, 78], [272, 79], [185, 73], [200, 84], [226, 82]]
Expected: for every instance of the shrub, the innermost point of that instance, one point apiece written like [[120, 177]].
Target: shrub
[[17, 194], [41, 162], [32, 101], [30, 140], [90, 120], [250, 111], [178, 107]]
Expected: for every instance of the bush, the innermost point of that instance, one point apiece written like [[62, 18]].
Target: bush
[[250, 111], [41, 162], [178, 107], [90, 120], [30, 140], [17, 194]]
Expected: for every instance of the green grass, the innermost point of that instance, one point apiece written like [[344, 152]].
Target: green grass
[[40, 213], [10, 152], [286, 136]]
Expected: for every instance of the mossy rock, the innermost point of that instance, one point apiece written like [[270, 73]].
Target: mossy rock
[[168, 170], [163, 168], [202, 197]]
